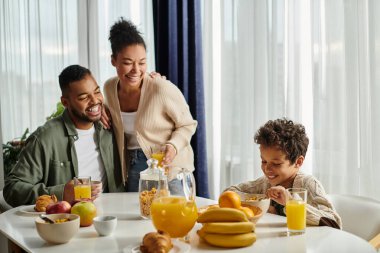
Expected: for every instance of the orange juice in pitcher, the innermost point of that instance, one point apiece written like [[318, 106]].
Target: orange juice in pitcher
[[168, 212]]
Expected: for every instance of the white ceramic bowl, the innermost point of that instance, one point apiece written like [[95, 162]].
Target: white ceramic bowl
[[58, 232], [253, 199], [105, 225]]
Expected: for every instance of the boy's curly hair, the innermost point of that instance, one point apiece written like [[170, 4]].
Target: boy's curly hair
[[122, 34], [289, 137]]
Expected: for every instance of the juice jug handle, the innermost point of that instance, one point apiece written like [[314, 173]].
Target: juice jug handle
[[188, 189]]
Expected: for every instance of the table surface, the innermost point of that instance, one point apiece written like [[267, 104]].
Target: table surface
[[270, 230]]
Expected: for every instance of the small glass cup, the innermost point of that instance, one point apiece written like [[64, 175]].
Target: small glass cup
[[158, 153], [296, 210], [82, 188]]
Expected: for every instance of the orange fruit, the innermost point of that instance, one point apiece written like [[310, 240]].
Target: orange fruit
[[248, 211], [229, 199]]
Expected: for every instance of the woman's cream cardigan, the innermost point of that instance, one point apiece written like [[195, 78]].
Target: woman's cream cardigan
[[163, 117]]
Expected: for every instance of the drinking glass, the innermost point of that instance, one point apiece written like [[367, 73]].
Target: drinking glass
[[174, 210], [296, 210], [82, 188], [158, 153]]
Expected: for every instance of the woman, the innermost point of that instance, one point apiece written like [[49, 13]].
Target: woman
[[146, 111]]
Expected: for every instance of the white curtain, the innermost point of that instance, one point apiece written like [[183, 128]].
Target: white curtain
[[1, 160], [38, 38], [313, 61]]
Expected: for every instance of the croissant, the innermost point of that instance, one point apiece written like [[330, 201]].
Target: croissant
[[156, 242], [43, 201]]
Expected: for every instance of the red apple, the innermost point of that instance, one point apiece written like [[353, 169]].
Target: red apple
[[86, 210], [59, 207]]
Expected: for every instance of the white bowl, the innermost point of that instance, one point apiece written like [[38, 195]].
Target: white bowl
[[254, 199], [58, 232], [105, 225]]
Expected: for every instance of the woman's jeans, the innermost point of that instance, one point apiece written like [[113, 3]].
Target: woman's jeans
[[137, 163]]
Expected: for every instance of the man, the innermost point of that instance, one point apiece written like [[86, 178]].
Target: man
[[73, 144]]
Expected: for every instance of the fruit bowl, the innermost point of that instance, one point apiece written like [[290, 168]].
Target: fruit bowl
[[253, 199], [59, 232], [258, 214]]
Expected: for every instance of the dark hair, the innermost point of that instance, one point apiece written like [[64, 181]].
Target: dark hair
[[122, 34], [289, 137], [71, 74]]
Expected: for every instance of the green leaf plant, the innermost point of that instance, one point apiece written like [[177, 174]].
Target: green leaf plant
[[13, 148]]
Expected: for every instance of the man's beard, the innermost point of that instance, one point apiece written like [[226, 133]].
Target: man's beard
[[83, 117]]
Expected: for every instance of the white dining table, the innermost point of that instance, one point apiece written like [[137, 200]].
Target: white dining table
[[19, 227]]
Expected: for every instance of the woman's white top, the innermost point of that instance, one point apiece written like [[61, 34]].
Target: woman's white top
[[129, 119]]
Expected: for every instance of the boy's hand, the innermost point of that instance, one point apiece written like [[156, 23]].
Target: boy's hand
[[278, 194]]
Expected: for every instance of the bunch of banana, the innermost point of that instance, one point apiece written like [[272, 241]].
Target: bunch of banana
[[226, 227]]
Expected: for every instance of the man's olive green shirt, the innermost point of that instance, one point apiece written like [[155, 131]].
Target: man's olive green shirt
[[49, 160]]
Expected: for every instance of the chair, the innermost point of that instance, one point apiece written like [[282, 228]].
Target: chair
[[360, 216]]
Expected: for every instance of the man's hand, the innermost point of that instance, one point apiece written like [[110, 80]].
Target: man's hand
[[68, 192], [96, 189]]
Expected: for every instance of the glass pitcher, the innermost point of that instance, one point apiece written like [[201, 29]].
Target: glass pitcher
[[175, 204], [151, 180]]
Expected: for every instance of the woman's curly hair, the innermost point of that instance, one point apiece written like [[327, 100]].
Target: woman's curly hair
[[122, 34], [289, 137]]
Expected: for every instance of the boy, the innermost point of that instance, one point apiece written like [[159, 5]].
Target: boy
[[283, 146]]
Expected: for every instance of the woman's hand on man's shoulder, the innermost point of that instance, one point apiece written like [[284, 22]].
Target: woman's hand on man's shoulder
[[154, 74], [105, 118]]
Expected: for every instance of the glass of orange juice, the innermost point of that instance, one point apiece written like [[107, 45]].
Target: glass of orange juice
[[82, 187], [175, 205], [158, 153], [296, 210]]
